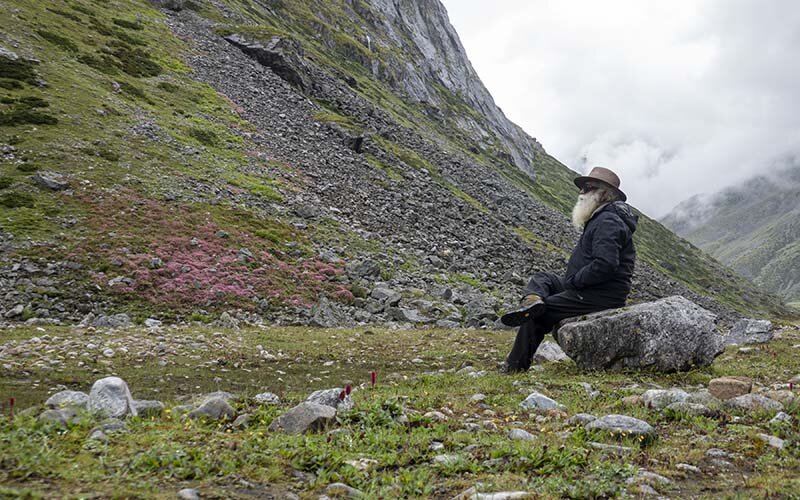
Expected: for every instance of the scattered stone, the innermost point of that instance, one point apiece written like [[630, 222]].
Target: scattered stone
[[661, 398], [702, 397], [121, 320], [15, 311], [436, 416], [188, 494], [152, 323], [621, 424], [446, 459], [436, 446], [267, 398], [50, 180], [477, 398], [717, 453], [108, 352], [781, 417], [633, 400], [332, 398], [226, 320], [341, 489], [241, 421], [408, 315], [694, 409], [646, 490], [325, 314], [147, 408], [691, 469], [60, 417], [74, 399], [581, 419], [647, 477], [520, 435], [549, 352], [362, 464], [754, 402], [213, 409], [227, 396], [773, 441], [750, 331], [472, 494], [729, 387], [386, 296], [303, 417], [784, 396], [111, 397], [538, 401]]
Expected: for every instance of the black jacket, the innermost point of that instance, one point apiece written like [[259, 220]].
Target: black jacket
[[601, 266]]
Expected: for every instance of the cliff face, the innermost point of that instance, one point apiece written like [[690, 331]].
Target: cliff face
[[321, 162], [753, 227]]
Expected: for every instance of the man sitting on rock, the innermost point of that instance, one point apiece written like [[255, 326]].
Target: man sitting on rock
[[598, 274]]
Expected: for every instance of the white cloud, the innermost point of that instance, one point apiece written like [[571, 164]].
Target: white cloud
[[678, 97]]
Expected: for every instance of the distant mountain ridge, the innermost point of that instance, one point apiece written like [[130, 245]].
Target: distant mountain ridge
[[753, 227]]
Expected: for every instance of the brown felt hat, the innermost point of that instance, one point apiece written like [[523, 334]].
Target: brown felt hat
[[604, 176]]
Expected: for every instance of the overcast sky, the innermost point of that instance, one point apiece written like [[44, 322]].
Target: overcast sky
[[679, 97]]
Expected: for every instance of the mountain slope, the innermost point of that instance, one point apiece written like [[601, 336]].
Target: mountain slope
[[254, 157], [753, 227]]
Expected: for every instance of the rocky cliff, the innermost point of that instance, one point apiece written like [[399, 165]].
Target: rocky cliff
[[753, 227], [321, 162]]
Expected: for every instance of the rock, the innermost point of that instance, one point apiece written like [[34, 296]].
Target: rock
[[326, 314], [537, 401], [303, 417], [520, 435], [108, 352], [717, 453], [621, 424], [702, 397], [386, 296], [647, 477], [111, 397], [121, 320], [436, 416], [227, 321], [581, 419], [786, 397], [363, 269], [472, 494], [750, 331], [477, 398], [332, 398], [408, 315], [74, 399], [188, 493], [15, 311], [446, 459], [59, 417], [781, 417], [754, 402], [667, 335], [693, 409], [110, 425], [549, 352], [341, 489], [436, 446], [241, 421], [147, 408], [729, 387], [267, 398], [152, 323], [362, 464], [176, 5], [282, 55], [661, 398], [773, 441], [633, 400], [213, 409], [690, 469], [50, 180]]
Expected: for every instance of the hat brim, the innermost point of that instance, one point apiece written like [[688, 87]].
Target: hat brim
[[580, 181]]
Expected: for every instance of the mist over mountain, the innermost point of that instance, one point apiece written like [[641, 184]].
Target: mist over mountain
[[754, 227]]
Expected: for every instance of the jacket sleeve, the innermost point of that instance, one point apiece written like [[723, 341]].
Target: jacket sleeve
[[608, 239]]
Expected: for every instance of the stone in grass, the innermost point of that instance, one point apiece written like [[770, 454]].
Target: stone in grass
[[538, 401], [147, 408], [520, 435], [267, 398], [773, 441], [446, 459], [59, 417], [693, 409], [581, 419], [647, 477], [780, 418], [213, 409], [50, 180], [332, 398], [754, 402], [621, 425], [750, 331], [549, 352], [303, 417], [188, 494], [688, 468], [343, 490], [473, 494], [661, 398], [729, 387], [63, 399], [227, 396], [111, 396]]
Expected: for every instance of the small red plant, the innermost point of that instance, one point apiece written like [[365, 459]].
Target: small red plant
[[373, 377], [348, 389]]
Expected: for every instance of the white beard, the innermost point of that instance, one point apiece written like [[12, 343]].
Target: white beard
[[585, 207]]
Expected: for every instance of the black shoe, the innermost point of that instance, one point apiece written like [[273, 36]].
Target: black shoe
[[532, 307], [507, 370]]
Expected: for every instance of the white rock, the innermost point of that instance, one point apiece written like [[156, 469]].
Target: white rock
[[112, 397]]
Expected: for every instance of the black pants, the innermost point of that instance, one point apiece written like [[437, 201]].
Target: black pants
[[560, 304]]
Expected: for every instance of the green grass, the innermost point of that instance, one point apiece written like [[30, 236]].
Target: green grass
[[157, 457]]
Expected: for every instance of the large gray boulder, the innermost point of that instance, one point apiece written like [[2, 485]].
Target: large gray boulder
[[111, 397], [750, 331], [303, 417], [667, 335]]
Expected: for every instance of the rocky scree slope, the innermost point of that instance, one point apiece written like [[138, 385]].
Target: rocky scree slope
[[280, 161], [753, 227]]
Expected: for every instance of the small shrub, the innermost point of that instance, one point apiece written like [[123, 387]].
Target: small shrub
[[5, 181], [27, 168], [58, 40], [16, 200], [168, 87], [136, 62], [22, 116], [20, 70], [83, 10], [101, 28], [125, 37], [68, 15], [107, 154], [132, 90], [133, 25], [34, 102], [205, 137], [101, 62], [10, 84]]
